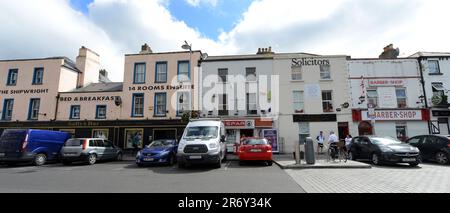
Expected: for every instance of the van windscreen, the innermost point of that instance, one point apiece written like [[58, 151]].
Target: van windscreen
[[202, 132], [73, 142]]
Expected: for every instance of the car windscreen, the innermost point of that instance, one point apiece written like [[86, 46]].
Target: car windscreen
[[385, 141], [255, 142], [161, 143], [74, 142], [202, 131]]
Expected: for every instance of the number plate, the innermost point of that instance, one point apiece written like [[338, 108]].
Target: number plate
[[409, 159], [70, 154], [2, 154], [195, 157], [148, 159], [255, 150]]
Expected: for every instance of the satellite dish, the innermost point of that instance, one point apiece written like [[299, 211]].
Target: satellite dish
[[204, 56]]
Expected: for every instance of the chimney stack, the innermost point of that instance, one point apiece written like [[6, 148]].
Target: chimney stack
[[88, 62], [389, 52], [265, 51], [145, 49]]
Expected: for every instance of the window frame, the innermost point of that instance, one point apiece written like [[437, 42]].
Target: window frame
[[97, 114], [301, 101], [35, 76], [155, 104], [323, 71], [220, 79], [72, 108], [328, 101], [9, 79], [300, 73], [31, 109], [223, 105], [247, 97], [405, 97], [371, 98], [179, 104], [5, 104], [247, 69], [437, 67], [157, 71], [135, 72], [188, 73], [133, 105]]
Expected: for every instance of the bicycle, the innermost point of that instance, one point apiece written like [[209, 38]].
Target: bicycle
[[337, 151]]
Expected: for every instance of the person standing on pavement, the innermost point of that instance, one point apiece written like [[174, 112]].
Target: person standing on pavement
[[320, 139], [348, 143]]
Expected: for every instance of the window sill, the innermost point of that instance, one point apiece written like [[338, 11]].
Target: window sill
[[74, 119], [160, 82], [11, 85], [435, 73], [137, 116], [37, 84], [159, 116], [326, 80], [297, 81], [138, 82], [100, 118]]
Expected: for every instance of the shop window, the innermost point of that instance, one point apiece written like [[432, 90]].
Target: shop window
[[223, 75], [75, 112], [433, 67], [250, 74], [298, 101], [38, 75], [139, 73], [100, 133], [33, 112], [8, 105], [327, 101], [372, 97], [325, 73], [161, 72], [401, 131], [296, 74], [401, 97], [160, 104], [183, 71], [12, 77]]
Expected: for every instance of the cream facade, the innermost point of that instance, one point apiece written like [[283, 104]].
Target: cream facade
[[392, 87], [314, 97]]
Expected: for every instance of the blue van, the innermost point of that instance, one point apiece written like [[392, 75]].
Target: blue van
[[31, 145]]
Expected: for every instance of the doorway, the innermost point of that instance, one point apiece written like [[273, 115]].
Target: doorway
[[365, 128], [247, 132], [343, 130]]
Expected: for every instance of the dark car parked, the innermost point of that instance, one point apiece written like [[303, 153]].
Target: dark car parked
[[383, 150], [432, 147], [158, 152]]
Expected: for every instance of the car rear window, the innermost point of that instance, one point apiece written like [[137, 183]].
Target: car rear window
[[74, 142], [255, 142], [13, 136]]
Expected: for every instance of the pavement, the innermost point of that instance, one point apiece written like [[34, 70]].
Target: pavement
[[321, 162], [400, 178]]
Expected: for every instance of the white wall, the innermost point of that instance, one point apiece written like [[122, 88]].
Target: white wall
[[67, 80]]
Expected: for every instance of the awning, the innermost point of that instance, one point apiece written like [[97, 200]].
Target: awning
[[438, 87]]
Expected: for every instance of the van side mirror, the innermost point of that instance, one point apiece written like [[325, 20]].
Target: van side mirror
[[222, 138]]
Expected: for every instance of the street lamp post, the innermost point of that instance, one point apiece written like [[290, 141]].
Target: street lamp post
[[187, 46]]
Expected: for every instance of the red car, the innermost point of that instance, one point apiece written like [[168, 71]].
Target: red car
[[255, 149]]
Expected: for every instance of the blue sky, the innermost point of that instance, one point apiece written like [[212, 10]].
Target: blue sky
[[207, 19]]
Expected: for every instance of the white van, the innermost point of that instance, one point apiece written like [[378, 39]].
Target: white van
[[203, 142]]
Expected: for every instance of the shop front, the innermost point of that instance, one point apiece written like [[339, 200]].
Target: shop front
[[239, 128], [397, 123]]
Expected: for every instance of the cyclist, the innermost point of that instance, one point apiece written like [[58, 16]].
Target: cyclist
[[333, 142]]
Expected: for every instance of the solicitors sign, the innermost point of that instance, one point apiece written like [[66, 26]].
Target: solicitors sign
[[393, 115]]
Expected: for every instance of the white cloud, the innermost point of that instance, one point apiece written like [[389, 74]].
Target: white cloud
[[196, 3], [360, 28]]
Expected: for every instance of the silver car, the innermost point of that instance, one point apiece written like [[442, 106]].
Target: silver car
[[89, 150]]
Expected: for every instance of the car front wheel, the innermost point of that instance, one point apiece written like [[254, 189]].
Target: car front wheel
[[269, 163], [441, 158], [375, 159], [414, 164]]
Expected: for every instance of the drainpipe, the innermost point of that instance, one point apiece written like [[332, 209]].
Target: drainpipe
[[56, 107], [422, 81]]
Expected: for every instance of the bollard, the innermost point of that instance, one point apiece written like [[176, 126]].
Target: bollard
[[309, 151]]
